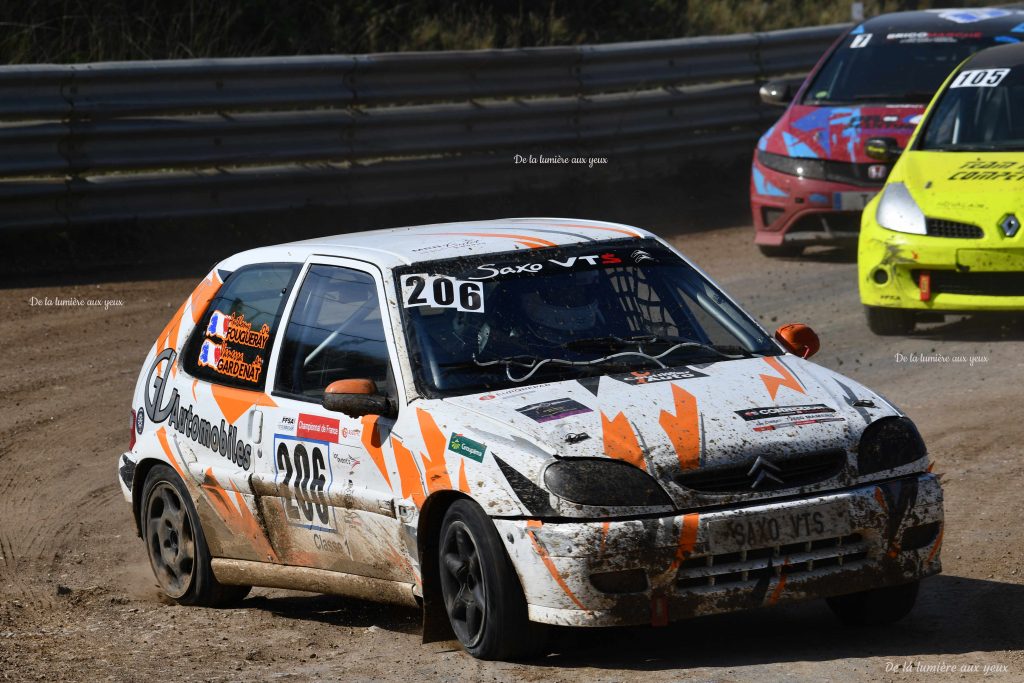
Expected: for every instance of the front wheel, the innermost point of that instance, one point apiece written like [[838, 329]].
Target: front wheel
[[887, 322], [480, 588], [875, 607], [176, 545]]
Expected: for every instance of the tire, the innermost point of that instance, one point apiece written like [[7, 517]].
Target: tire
[[176, 545], [887, 322], [781, 251], [875, 607], [480, 589]]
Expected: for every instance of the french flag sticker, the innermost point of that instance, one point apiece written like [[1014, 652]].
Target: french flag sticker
[[218, 326], [209, 353]]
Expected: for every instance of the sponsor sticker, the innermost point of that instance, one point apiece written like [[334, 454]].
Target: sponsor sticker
[[286, 425], [654, 376], [769, 412], [317, 428], [557, 409], [772, 417], [467, 447], [140, 420], [489, 271], [223, 439]]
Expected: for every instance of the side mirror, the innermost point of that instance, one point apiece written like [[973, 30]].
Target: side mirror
[[777, 93], [357, 397], [882, 149], [798, 339]]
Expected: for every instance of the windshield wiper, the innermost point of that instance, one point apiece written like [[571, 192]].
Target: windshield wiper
[[919, 96], [956, 147]]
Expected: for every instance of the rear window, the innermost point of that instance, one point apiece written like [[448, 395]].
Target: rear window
[[231, 344]]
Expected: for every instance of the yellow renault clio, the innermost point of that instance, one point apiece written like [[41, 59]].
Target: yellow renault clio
[[944, 235]]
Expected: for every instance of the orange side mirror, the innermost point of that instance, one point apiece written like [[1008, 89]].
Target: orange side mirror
[[351, 386], [799, 339]]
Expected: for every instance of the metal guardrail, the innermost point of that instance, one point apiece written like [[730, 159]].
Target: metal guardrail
[[135, 140]]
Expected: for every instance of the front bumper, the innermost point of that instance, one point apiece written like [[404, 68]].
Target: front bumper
[[792, 210], [964, 275], [670, 568]]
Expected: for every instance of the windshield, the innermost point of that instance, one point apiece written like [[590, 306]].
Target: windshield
[[541, 315], [982, 110], [903, 68]]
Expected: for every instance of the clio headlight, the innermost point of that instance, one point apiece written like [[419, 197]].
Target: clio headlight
[[803, 168], [605, 483], [888, 443], [898, 211]]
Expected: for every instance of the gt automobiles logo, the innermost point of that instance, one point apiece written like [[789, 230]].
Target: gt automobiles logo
[[763, 469]]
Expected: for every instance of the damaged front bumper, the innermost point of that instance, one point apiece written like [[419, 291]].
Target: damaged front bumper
[[669, 568], [938, 274]]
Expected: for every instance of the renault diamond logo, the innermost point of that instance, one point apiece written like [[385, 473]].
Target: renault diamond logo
[[1010, 225], [763, 469]]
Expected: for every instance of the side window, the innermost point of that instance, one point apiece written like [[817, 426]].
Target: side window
[[232, 342], [335, 332]]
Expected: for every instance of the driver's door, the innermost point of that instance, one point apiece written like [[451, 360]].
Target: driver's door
[[327, 499]]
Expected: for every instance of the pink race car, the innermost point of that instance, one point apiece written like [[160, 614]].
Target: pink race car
[[830, 153]]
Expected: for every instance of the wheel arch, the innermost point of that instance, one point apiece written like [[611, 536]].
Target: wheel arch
[[142, 470], [436, 626]]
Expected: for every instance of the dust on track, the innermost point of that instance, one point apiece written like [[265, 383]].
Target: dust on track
[[78, 601]]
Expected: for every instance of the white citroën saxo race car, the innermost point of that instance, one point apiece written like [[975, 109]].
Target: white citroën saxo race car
[[515, 423]]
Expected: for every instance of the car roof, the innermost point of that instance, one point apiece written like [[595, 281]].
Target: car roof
[[990, 21], [401, 246], [1001, 56]]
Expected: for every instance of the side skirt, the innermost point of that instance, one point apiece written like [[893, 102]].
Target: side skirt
[[247, 573]]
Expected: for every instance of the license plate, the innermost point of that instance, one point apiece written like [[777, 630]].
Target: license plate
[[746, 532], [851, 201]]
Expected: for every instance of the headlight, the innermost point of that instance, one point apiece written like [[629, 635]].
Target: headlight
[[898, 211], [804, 168], [888, 443], [604, 483]]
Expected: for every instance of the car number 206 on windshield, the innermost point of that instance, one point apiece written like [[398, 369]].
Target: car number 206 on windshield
[[761, 531], [438, 291]]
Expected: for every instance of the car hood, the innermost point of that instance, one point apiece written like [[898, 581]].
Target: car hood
[[682, 418], [838, 133], [965, 186]]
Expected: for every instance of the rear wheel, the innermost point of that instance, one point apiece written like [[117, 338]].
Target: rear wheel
[[887, 322], [481, 591], [176, 545], [781, 250], [875, 607]]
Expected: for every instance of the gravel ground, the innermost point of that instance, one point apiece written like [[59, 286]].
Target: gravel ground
[[78, 601]]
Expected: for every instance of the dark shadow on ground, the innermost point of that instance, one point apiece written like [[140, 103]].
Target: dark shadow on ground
[[954, 615], [978, 327], [339, 611], [820, 254]]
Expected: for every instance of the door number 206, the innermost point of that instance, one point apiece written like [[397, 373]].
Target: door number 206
[[304, 475]]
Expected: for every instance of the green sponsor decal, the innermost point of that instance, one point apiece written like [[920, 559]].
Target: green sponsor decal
[[467, 447]]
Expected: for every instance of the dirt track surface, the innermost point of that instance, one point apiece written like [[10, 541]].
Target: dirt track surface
[[78, 601]]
